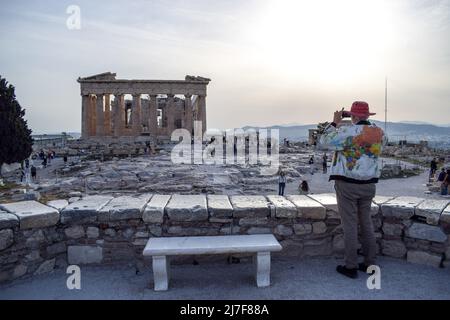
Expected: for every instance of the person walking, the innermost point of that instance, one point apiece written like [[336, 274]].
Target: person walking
[[281, 183], [22, 174], [324, 163], [441, 176], [33, 173], [433, 167], [445, 183], [355, 171]]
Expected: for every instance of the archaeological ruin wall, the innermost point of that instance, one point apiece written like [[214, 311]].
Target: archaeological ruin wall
[[36, 238]]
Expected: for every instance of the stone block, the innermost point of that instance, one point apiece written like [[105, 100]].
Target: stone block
[[283, 230], [253, 221], [92, 232], [19, 271], [46, 267], [302, 228], [219, 206], [283, 207], [32, 214], [154, 210], [308, 208], [8, 220], [124, 208], [6, 238], [400, 207], [426, 232], [431, 209], [392, 229], [393, 248], [379, 200], [258, 230], [319, 227], [56, 248], [187, 208], [58, 204], [445, 216], [250, 206], [328, 200], [84, 254], [84, 210], [74, 232]]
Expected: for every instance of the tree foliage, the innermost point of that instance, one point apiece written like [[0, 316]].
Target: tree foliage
[[15, 136]]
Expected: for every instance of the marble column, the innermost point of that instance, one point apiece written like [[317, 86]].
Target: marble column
[[202, 111], [153, 115], [122, 115], [188, 124], [136, 115], [107, 115], [118, 115], [85, 113], [170, 114], [93, 116], [100, 128]]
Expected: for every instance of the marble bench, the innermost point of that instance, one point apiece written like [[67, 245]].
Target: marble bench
[[261, 245]]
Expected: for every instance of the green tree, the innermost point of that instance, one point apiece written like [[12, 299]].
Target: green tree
[[15, 136]]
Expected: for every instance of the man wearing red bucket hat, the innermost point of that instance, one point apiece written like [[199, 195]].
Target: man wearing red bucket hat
[[355, 170]]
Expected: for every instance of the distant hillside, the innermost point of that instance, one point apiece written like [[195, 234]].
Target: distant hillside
[[436, 135]]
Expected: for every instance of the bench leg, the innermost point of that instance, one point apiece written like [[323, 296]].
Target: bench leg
[[262, 264], [161, 275]]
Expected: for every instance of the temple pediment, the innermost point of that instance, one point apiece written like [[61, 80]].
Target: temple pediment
[[100, 76]]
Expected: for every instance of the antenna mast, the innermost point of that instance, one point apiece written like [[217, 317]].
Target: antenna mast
[[385, 106]]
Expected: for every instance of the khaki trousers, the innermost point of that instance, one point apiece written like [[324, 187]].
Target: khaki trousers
[[354, 202]]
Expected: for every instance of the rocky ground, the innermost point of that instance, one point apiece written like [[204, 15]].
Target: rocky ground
[[156, 173]]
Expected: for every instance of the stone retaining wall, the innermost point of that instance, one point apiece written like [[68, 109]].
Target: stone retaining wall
[[37, 238]]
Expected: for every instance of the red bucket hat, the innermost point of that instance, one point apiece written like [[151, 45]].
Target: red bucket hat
[[360, 109]]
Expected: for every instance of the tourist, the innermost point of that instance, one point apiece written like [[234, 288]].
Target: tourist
[[33, 173], [441, 176], [22, 174], [445, 184], [281, 183], [44, 162], [27, 163], [303, 188], [324, 163], [433, 167], [311, 160], [355, 172], [65, 159]]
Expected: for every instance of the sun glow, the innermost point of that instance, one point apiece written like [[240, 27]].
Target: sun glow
[[324, 40]]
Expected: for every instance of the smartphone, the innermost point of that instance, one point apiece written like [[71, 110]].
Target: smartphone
[[346, 114]]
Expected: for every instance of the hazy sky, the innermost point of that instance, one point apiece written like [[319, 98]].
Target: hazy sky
[[271, 62]]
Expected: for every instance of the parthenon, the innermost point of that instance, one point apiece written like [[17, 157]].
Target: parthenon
[[120, 108]]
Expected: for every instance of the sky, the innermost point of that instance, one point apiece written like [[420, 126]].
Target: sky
[[270, 61]]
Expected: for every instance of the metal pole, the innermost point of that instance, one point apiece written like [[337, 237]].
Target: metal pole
[[385, 106]]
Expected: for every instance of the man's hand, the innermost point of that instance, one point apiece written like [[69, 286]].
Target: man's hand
[[337, 117]]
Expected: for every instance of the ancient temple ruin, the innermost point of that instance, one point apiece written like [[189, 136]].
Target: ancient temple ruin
[[120, 108]]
